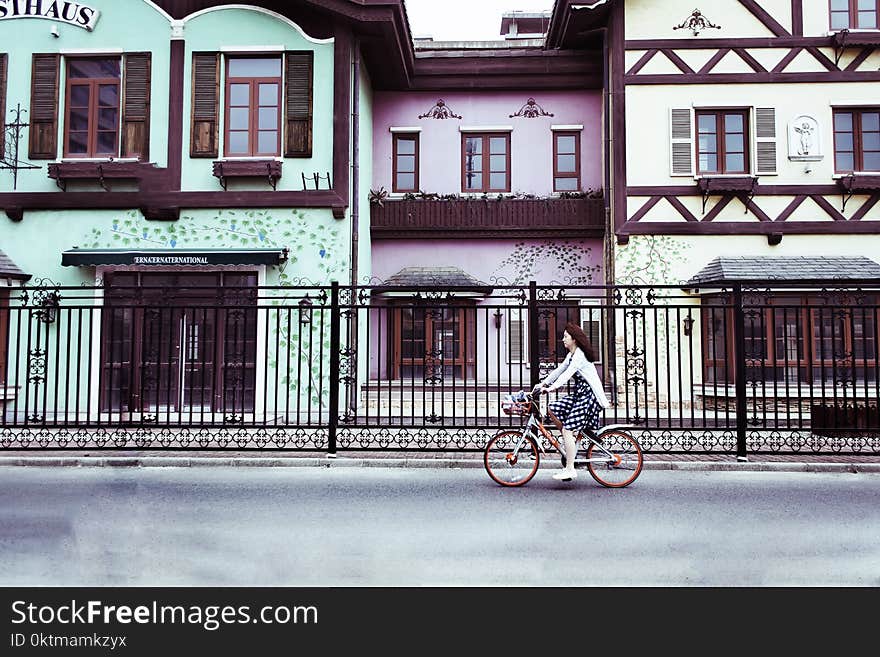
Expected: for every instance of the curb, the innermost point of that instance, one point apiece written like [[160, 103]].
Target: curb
[[421, 463]]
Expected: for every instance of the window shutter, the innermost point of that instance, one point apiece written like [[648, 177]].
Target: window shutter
[[2, 104], [516, 346], [765, 140], [136, 106], [591, 322], [44, 107], [681, 126], [298, 77], [205, 105]]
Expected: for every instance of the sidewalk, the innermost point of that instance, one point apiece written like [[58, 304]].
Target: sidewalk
[[350, 458]]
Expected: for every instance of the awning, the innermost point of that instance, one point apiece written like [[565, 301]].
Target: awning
[[411, 279], [765, 270], [166, 257]]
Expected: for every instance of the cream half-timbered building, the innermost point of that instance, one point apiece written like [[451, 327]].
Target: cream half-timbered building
[[746, 149]]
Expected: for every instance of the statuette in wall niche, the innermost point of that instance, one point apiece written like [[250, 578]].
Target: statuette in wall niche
[[531, 110], [696, 23], [804, 139], [439, 111]]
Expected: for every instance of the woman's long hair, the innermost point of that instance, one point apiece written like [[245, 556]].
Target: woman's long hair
[[577, 334]]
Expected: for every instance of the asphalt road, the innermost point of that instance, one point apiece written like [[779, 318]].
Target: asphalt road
[[441, 527]]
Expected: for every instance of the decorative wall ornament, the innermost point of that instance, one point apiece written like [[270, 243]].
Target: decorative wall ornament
[[531, 110], [696, 23], [804, 139], [439, 111], [11, 134]]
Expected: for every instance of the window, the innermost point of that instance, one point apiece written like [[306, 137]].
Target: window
[[857, 140], [722, 137], [854, 14], [485, 162], [169, 345], [434, 343], [253, 107], [92, 108], [405, 161], [566, 161], [795, 339], [252, 119]]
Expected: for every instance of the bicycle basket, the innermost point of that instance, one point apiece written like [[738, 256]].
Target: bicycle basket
[[516, 404]]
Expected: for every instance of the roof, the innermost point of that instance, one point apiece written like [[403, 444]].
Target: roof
[[9, 269], [795, 269], [434, 277]]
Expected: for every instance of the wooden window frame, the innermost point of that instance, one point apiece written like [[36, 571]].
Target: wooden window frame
[[413, 136], [138, 305], [852, 16], [808, 312], [486, 155], [467, 339], [857, 136], [721, 152], [577, 159], [253, 108], [94, 85]]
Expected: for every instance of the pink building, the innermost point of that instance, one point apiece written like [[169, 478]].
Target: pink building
[[487, 172]]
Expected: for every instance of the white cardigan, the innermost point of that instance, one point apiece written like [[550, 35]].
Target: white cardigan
[[576, 362]]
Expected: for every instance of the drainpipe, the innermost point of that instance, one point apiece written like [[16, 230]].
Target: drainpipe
[[355, 222], [606, 192]]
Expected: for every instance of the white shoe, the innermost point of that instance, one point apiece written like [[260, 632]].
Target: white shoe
[[565, 475]]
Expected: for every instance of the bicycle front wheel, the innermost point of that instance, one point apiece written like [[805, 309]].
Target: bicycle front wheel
[[617, 462], [511, 458]]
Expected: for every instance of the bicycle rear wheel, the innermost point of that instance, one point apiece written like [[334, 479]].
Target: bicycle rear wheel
[[618, 462], [511, 458]]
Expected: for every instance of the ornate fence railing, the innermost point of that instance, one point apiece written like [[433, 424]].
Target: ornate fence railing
[[236, 366]]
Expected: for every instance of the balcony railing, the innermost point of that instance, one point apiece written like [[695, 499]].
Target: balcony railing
[[480, 217]]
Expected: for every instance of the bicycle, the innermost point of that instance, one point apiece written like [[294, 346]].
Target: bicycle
[[511, 458]]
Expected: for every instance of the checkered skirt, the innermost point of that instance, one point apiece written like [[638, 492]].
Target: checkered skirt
[[579, 410]]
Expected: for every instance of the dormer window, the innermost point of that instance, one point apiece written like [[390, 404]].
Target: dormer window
[[854, 14]]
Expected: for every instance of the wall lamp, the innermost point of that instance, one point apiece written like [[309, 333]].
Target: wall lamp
[[49, 306], [688, 324], [305, 311], [497, 316]]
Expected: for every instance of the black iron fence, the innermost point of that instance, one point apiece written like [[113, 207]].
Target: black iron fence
[[184, 361]]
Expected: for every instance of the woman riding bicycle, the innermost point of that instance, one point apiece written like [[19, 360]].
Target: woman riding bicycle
[[581, 409]]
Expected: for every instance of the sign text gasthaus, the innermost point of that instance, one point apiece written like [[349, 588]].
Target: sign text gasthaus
[[65, 11]]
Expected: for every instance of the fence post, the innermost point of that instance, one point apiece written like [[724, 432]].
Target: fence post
[[335, 348], [534, 356], [739, 351]]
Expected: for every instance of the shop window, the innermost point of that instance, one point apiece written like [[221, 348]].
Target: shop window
[[434, 343], [794, 339], [179, 342]]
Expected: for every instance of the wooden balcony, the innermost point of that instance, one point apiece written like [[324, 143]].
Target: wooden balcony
[[487, 218]]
